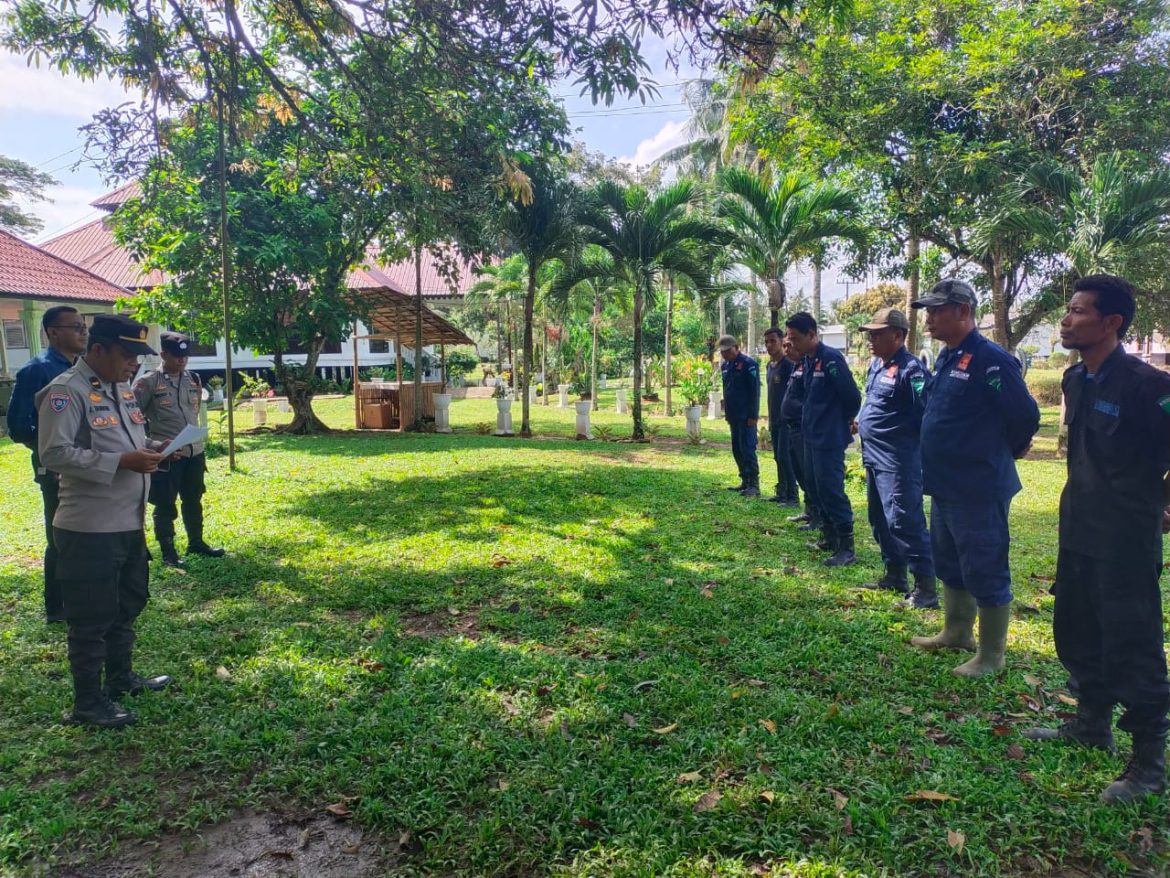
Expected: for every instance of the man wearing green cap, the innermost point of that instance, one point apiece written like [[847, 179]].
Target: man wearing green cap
[[889, 424], [92, 432]]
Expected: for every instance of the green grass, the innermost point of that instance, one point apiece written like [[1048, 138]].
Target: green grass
[[458, 634]]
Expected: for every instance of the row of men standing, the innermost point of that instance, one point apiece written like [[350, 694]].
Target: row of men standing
[[955, 435], [95, 445]]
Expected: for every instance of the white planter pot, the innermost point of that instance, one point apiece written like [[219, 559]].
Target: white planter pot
[[601, 382], [259, 412], [532, 394], [504, 417], [216, 394], [694, 426], [583, 408], [715, 406], [442, 412], [563, 390], [620, 406]]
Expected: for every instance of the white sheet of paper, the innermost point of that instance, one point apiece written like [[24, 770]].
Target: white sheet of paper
[[189, 435]]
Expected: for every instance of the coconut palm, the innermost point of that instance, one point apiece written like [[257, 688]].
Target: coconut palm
[[500, 285], [541, 227], [774, 225], [641, 238]]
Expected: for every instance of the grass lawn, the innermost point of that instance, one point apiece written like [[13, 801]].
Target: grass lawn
[[509, 657]]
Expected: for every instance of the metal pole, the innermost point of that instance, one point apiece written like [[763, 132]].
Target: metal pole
[[225, 280], [357, 405]]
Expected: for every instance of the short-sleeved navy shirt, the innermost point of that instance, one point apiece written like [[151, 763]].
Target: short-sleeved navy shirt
[[890, 421]]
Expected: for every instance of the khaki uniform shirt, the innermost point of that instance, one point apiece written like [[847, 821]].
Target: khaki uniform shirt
[[170, 404], [84, 427]]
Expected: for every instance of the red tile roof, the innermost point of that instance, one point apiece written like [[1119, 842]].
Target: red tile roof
[[29, 272], [400, 276], [111, 201], [93, 248]]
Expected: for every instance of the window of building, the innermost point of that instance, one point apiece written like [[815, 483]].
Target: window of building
[[379, 346], [14, 334]]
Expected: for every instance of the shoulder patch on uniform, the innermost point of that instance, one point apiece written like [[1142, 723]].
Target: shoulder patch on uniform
[[58, 401], [1164, 404], [918, 382], [995, 382], [831, 368]]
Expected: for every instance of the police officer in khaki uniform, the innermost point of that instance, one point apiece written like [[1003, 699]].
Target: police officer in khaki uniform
[[170, 398], [93, 434]]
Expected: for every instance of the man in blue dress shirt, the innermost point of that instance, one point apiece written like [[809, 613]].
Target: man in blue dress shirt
[[979, 420], [67, 333], [889, 426], [831, 402], [741, 407]]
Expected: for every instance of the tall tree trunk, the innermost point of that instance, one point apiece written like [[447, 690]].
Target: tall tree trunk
[[593, 353], [297, 384], [750, 338], [508, 336], [499, 340], [1000, 306], [526, 381], [417, 423], [816, 289], [666, 356], [637, 409], [723, 315], [544, 352], [913, 251]]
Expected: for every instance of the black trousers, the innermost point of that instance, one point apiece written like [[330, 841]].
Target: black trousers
[[1107, 625], [182, 480], [50, 500], [105, 581], [782, 452]]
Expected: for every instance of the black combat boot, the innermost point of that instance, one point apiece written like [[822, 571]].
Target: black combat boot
[[843, 554], [92, 708], [894, 579], [751, 488], [170, 557], [1091, 727], [1144, 775], [827, 541], [193, 523], [742, 484], [201, 548], [803, 517], [925, 594]]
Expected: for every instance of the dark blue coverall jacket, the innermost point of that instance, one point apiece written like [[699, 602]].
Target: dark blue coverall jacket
[[741, 403], [831, 402]]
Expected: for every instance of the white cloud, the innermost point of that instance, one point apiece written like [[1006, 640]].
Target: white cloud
[[70, 208], [31, 89], [669, 136]]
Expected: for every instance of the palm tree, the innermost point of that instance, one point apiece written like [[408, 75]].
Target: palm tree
[[501, 284], [775, 225], [642, 237], [542, 226]]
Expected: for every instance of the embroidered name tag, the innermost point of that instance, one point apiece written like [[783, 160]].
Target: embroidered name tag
[[1107, 408], [955, 373], [886, 379]]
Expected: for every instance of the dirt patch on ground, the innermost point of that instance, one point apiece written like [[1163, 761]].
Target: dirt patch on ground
[[251, 845], [443, 623]]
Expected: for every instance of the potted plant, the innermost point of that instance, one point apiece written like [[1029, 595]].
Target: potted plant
[[503, 400], [695, 386], [215, 387]]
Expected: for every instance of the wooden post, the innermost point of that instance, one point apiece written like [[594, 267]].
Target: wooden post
[[357, 400], [443, 366], [398, 370]]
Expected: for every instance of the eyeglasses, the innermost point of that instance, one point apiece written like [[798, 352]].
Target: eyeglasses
[[76, 327]]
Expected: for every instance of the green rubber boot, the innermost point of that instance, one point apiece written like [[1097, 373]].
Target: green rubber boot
[[993, 628], [958, 632]]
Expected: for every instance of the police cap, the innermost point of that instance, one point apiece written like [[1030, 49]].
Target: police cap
[[175, 344], [948, 292], [122, 331]]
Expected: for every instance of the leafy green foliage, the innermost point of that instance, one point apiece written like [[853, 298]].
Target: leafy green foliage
[[20, 181]]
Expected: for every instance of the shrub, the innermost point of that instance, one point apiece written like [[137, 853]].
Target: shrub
[[1044, 385], [1058, 359]]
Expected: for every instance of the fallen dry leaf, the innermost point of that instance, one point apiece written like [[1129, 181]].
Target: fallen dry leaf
[[929, 796], [223, 673], [754, 682], [1145, 837], [629, 719], [1066, 699], [338, 809], [1014, 751], [768, 796], [666, 730], [769, 725], [459, 581], [847, 826], [1001, 730], [707, 801], [500, 560], [689, 777], [645, 684], [956, 840], [905, 711], [840, 800], [371, 665], [668, 581], [707, 593], [1033, 680], [454, 611]]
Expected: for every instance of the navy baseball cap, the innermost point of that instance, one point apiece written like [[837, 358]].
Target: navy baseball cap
[[948, 292]]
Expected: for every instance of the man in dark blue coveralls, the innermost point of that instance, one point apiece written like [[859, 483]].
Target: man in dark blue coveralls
[[791, 413], [779, 375], [979, 420], [67, 333], [889, 425], [1108, 617], [741, 407], [831, 402]]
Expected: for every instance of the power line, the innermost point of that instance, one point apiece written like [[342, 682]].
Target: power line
[[61, 156]]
